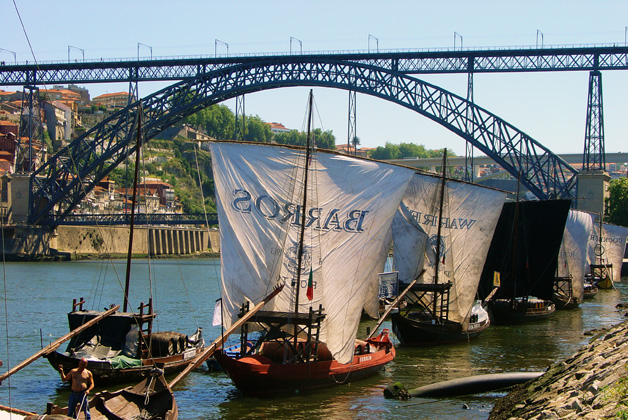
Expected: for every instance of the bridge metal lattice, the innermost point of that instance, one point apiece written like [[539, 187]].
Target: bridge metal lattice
[[68, 176], [594, 153], [407, 62]]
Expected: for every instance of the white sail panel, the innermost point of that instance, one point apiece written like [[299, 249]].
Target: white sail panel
[[614, 241], [610, 251], [348, 214], [469, 217], [572, 258]]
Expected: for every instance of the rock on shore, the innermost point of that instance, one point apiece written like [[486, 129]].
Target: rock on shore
[[592, 384]]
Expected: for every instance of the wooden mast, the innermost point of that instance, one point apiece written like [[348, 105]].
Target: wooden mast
[[439, 228], [303, 205], [133, 201]]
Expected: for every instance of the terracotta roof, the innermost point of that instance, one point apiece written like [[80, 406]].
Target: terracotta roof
[[107, 95]]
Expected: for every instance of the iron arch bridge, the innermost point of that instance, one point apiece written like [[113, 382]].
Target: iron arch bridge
[[76, 169]]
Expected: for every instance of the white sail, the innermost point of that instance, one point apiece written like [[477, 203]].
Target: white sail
[[469, 217], [614, 242], [351, 203], [612, 247], [572, 258]]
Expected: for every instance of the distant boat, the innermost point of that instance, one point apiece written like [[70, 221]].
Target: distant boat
[[314, 221], [518, 277], [572, 259], [607, 247], [590, 290], [444, 226]]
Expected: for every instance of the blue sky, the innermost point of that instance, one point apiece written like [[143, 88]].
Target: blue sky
[[550, 107]]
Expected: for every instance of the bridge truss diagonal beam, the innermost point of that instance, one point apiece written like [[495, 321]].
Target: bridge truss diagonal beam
[[75, 170]]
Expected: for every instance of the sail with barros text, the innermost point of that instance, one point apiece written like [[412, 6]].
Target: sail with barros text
[[351, 203]]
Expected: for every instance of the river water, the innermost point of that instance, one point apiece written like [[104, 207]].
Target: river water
[[37, 296]]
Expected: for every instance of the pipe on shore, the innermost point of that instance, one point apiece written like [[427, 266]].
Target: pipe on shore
[[463, 386]]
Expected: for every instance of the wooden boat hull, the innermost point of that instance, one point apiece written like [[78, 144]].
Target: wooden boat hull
[[605, 283], [504, 311], [261, 376], [412, 332], [590, 290], [104, 373], [106, 343], [131, 402]]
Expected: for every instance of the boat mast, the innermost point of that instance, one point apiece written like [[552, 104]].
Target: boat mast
[[303, 204], [439, 228], [133, 200]]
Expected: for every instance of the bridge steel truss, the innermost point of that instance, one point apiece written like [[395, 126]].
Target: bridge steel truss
[[407, 62], [74, 171]]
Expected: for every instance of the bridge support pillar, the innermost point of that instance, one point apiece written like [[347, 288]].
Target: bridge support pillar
[[592, 191]]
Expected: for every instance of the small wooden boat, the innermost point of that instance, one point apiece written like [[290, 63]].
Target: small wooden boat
[[563, 295], [441, 308], [520, 309], [602, 275], [415, 329], [123, 347], [518, 280], [115, 352], [590, 290], [150, 399]]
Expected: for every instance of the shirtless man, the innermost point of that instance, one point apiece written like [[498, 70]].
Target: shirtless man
[[82, 382]]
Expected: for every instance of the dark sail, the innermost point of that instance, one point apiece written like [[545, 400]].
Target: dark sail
[[525, 248]]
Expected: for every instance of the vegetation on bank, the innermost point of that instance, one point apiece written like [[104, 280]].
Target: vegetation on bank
[[617, 203]]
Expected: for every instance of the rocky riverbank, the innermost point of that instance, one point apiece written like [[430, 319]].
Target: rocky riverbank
[[592, 384]]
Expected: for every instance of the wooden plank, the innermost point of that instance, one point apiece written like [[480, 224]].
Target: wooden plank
[[392, 305], [55, 345], [209, 351]]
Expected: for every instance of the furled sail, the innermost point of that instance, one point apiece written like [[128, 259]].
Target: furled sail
[[572, 258], [350, 206], [470, 214]]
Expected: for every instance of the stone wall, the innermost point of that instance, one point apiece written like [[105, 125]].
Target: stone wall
[[592, 384], [77, 241]]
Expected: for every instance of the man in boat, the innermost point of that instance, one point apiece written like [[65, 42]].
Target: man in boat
[[82, 382]]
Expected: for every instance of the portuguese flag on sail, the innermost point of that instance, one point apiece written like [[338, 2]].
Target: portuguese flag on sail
[[310, 286]]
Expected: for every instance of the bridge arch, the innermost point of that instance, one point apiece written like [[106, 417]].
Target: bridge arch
[[76, 169]]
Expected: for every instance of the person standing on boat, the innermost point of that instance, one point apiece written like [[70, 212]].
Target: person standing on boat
[[82, 382]]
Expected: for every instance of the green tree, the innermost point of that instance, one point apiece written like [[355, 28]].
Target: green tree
[[617, 202], [257, 130], [406, 150]]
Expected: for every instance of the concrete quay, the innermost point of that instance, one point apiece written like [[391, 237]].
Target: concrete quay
[[27, 243], [592, 384]]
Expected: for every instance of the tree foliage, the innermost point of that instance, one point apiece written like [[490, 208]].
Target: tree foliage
[[405, 150], [617, 203]]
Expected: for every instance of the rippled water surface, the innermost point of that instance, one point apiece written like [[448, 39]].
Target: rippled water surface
[[39, 295]]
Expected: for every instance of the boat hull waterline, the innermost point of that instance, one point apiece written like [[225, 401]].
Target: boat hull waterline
[[259, 376], [422, 333]]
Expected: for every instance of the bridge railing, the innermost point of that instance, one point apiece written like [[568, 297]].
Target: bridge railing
[[166, 219], [310, 53]]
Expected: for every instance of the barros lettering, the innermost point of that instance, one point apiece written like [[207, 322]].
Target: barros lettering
[[606, 239], [446, 222], [317, 217]]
